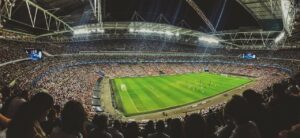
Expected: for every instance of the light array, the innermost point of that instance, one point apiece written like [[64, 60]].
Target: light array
[[208, 39], [87, 31], [279, 37], [168, 33]]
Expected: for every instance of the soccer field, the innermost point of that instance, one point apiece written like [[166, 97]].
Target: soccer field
[[139, 95]]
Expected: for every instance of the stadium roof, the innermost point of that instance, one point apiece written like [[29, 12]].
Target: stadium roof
[[224, 15], [268, 13]]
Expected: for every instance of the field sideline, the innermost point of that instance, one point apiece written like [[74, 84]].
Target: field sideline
[[140, 95]]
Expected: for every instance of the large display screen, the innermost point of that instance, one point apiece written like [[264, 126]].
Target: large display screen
[[34, 54], [248, 56]]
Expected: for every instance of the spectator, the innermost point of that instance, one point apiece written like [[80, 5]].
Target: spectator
[[26, 121], [51, 122], [115, 131], [237, 110], [72, 120], [132, 130], [283, 109], [101, 123], [176, 128], [160, 131], [149, 128], [258, 112], [195, 126]]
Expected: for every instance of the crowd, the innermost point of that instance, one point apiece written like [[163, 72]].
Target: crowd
[[64, 109], [271, 113], [77, 82], [12, 50]]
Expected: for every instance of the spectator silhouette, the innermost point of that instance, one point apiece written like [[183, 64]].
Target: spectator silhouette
[[72, 120], [176, 129], [149, 128], [195, 126], [132, 130], [160, 131], [101, 123], [283, 109], [258, 112], [115, 131], [26, 121], [237, 110]]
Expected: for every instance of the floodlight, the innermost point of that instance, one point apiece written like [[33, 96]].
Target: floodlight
[[208, 39], [279, 37]]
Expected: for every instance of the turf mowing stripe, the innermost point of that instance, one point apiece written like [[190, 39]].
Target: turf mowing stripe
[[159, 87], [150, 94], [125, 97], [135, 96], [181, 90], [161, 92]]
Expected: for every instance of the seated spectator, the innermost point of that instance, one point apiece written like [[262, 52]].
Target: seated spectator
[[149, 128], [26, 121], [294, 132], [132, 130], [258, 112], [51, 122], [283, 108], [101, 123], [160, 131], [237, 110], [226, 130], [176, 128], [195, 126], [72, 120], [16, 102], [115, 131]]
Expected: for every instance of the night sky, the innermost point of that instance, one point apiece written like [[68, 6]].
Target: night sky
[[234, 15], [79, 12]]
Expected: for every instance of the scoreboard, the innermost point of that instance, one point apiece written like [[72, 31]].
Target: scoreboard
[[248, 56], [34, 54]]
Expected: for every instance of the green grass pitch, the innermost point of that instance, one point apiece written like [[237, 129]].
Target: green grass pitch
[[140, 95]]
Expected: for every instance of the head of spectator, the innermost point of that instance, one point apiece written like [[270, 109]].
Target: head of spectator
[[149, 128], [253, 97], [237, 109], [25, 123], [160, 126], [52, 115], [57, 109], [117, 125], [132, 130], [72, 117], [176, 128], [6, 92], [296, 79], [278, 91], [100, 121], [195, 126]]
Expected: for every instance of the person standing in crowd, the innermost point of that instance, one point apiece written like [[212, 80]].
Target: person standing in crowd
[[100, 131], [26, 121], [72, 121], [195, 126], [115, 131], [237, 110], [132, 130], [160, 131]]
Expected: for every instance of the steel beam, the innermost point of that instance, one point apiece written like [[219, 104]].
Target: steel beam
[[201, 14], [97, 10], [47, 16]]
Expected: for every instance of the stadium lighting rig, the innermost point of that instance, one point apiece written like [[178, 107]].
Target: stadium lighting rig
[[148, 31], [280, 37], [209, 40], [87, 31]]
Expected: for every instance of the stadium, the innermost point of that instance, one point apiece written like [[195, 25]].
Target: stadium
[[150, 68]]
